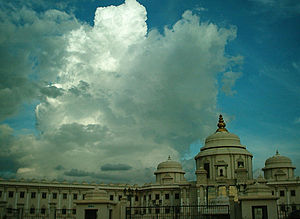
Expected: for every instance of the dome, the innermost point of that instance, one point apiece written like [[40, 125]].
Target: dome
[[169, 166], [278, 161], [222, 138]]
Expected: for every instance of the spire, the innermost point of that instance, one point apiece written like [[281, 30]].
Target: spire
[[221, 125]]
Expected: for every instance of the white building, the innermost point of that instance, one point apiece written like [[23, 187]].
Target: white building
[[223, 177]]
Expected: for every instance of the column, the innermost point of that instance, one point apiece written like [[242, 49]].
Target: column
[[59, 199], [52, 210], [69, 199], [20, 207], [16, 199], [27, 199], [38, 199], [2, 208]]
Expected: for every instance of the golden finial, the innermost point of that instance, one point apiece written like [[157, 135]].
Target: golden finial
[[221, 125]]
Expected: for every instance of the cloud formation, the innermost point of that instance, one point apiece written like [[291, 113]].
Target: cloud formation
[[115, 167], [114, 92]]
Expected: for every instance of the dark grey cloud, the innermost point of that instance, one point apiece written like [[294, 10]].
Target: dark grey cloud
[[115, 167], [59, 167], [78, 173]]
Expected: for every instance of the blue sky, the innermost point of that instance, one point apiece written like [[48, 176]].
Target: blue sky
[[147, 79]]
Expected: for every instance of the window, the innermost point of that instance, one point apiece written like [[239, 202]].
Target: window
[[54, 195], [75, 196], [294, 208], [156, 196], [149, 210], [64, 195], [22, 194], [74, 211], [167, 210], [43, 210], [32, 194], [44, 195], [149, 197], [32, 210], [157, 211], [176, 195], [206, 167], [111, 197], [281, 193], [167, 196], [293, 192], [120, 197], [64, 211], [0, 193], [240, 164], [144, 198], [10, 194], [9, 210], [83, 196], [221, 172], [136, 198], [272, 192]]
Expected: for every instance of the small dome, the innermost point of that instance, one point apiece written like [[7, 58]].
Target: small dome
[[278, 161], [169, 166]]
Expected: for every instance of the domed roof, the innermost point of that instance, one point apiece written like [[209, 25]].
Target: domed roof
[[278, 161], [222, 138], [169, 166]]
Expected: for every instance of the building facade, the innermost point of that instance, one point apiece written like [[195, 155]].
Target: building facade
[[223, 178]]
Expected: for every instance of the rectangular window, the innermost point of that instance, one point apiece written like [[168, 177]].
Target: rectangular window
[[74, 211], [32, 194], [149, 197], [136, 198], [176, 195], [10, 194], [293, 192], [144, 198], [43, 211], [167, 210], [64, 211], [167, 196], [294, 208], [32, 210], [74, 196], [157, 210], [281, 193], [22, 194], [0, 193], [44, 195], [206, 167], [156, 196], [65, 195], [111, 197], [120, 196], [54, 195]]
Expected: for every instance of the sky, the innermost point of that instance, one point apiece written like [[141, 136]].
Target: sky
[[103, 91]]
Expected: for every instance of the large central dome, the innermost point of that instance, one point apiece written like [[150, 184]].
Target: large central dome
[[222, 138]]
